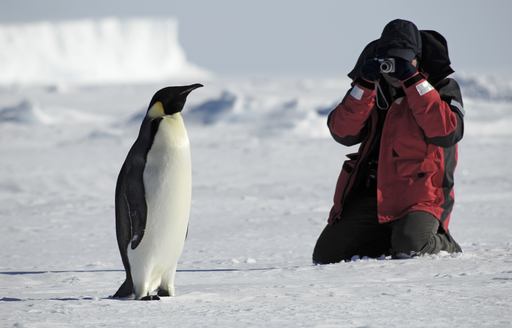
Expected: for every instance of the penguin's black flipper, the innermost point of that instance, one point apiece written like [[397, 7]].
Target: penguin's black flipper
[[125, 290], [138, 227], [133, 193], [135, 202], [130, 209]]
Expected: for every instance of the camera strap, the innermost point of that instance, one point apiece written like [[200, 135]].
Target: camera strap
[[381, 97]]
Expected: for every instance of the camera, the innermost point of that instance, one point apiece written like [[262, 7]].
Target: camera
[[387, 65]]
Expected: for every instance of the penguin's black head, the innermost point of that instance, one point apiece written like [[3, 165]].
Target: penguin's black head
[[172, 100]]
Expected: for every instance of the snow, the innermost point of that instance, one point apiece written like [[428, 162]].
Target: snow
[[264, 170], [25, 112], [92, 51], [485, 87]]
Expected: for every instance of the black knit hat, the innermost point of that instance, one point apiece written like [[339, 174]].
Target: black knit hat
[[434, 59], [400, 38]]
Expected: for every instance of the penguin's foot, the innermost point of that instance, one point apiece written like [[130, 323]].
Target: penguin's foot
[[166, 292], [150, 298], [163, 293]]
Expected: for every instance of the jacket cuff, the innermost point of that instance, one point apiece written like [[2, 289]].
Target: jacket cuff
[[362, 89], [420, 83], [413, 80], [365, 83]]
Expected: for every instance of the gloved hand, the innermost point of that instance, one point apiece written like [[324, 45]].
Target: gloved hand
[[370, 71], [403, 69]]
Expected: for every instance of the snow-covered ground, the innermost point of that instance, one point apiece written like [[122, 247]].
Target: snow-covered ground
[[264, 170]]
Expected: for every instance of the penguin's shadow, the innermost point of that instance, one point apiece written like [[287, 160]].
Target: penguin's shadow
[[15, 299], [21, 273], [16, 273], [88, 298]]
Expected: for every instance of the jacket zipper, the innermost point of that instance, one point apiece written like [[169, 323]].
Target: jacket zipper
[[386, 120], [358, 162]]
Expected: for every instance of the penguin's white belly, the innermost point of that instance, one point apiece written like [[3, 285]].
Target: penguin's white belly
[[168, 187]]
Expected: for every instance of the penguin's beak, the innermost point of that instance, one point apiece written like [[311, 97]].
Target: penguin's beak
[[189, 88], [178, 101]]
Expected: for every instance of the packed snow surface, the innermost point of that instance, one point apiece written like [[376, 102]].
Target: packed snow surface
[[94, 51], [264, 171]]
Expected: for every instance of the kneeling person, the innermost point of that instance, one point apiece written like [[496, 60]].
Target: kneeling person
[[395, 195]]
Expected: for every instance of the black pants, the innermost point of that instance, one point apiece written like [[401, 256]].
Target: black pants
[[359, 233]]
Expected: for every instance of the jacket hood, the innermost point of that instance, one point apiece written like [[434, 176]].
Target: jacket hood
[[400, 38], [434, 58]]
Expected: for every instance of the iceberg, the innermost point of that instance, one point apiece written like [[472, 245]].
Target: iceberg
[[94, 51]]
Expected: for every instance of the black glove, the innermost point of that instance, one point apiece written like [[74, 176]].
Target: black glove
[[370, 71], [403, 69]]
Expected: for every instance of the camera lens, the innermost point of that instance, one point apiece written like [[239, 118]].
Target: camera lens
[[386, 67]]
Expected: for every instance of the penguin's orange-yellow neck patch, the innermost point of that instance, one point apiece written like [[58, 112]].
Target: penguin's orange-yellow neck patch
[[157, 110]]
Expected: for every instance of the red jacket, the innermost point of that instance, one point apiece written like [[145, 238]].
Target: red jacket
[[418, 147]]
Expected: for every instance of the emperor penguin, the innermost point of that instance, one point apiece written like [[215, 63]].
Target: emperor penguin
[[153, 198]]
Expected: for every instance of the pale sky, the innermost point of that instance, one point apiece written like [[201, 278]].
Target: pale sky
[[320, 38]]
